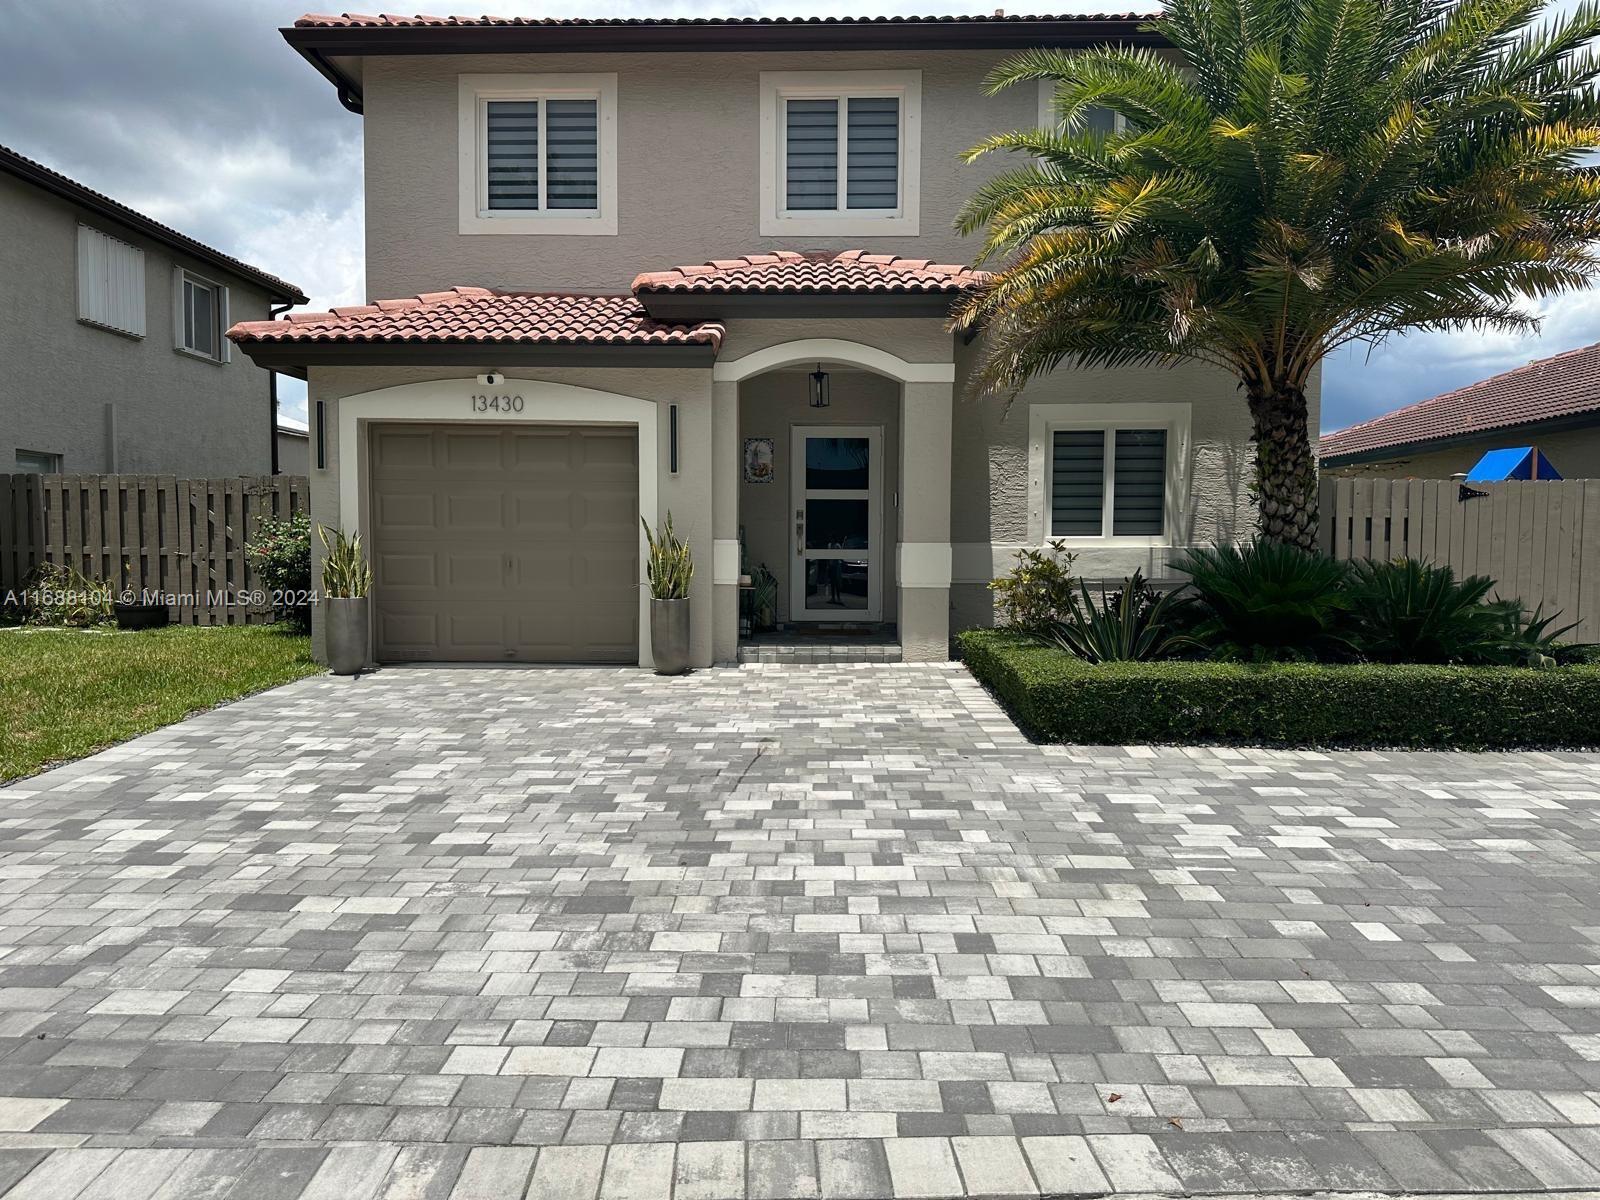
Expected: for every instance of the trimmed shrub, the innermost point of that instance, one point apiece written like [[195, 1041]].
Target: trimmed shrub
[[281, 553], [1058, 698]]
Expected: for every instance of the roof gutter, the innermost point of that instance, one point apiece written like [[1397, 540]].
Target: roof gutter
[[292, 358], [320, 44]]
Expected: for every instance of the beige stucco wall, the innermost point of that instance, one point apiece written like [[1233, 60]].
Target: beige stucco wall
[[686, 494], [770, 406], [688, 150], [174, 413], [1575, 453], [990, 470]]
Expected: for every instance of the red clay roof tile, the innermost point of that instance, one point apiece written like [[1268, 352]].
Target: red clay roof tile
[[1563, 385], [479, 315], [785, 271]]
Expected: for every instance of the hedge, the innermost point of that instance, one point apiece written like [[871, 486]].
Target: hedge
[[1057, 697]]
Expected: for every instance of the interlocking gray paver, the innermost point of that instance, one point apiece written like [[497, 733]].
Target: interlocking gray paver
[[842, 907], [63, 1175], [567, 1173], [494, 1173]]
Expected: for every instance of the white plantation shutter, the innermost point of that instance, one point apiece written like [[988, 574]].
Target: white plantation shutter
[[873, 153], [572, 154], [1078, 483], [1139, 483], [110, 282], [811, 136], [513, 153]]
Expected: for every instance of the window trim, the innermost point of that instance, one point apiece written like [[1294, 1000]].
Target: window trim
[[224, 351], [1047, 116], [1045, 419], [778, 86], [473, 95]]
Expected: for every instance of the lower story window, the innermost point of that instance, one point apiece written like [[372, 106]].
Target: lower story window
[[37, 462], [1108, 482]]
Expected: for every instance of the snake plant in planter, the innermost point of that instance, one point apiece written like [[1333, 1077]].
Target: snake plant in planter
[[670, 567], [346, 580]]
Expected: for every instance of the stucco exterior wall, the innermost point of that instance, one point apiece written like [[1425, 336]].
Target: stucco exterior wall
[[992, 487], [686, 493], [688, 155], [171, 412], [770, 406], [294, 453], [1575, 453]]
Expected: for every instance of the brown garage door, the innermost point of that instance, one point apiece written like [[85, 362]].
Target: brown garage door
[[505, 543]]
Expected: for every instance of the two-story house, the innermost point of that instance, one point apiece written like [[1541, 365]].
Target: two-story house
[[112, 344], [621, 268]]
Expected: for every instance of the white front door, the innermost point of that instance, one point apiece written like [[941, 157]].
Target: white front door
[[837, 473]]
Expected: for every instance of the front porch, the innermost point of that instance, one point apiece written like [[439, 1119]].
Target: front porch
[[831, 505]]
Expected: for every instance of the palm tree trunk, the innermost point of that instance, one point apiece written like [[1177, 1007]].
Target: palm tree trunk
[[1286, 473]]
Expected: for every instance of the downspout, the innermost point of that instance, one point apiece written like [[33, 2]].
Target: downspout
[[274, 311]]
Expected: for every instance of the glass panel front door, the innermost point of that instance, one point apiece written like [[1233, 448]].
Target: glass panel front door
[[838, 526]]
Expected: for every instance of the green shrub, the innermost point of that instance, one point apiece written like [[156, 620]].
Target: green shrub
[[1059, 698], [1134, 625], [281, 554], [1268, 601], [1038, 592], [62, 595]]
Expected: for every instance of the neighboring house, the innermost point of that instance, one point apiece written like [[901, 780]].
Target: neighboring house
[[112, 344], [294, 447], [623, 268], [1552, 404]]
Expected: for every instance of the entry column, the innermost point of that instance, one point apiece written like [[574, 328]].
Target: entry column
[[725, 521], [922, 562]]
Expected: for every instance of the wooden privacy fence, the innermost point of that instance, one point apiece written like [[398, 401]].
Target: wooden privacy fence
[[184, 538], [1539, 542]]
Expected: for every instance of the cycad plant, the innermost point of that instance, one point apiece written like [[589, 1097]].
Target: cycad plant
[[1132, 626], [345, 574], [1410, 611], [670, 564], [1268, 601], [1293, 176]]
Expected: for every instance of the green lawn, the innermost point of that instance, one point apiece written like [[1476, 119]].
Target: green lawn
[[65, 693]]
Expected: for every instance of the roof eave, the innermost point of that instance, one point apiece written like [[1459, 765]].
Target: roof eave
[[319, 44], [59, 185]]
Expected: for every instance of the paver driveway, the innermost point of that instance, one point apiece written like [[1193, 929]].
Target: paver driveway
[[782, 932]]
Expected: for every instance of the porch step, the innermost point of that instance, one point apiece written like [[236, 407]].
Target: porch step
[[812, 650]]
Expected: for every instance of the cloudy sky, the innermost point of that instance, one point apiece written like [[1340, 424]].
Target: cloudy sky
[[197, 113]]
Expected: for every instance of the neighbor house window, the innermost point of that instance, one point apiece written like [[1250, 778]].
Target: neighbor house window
[[1096, 120], [840, 152], [38, 462], [202, 316], [1104, 472], [110, 282], [538, 153]]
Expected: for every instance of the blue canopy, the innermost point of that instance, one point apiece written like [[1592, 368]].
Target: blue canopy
[[1516, 462]]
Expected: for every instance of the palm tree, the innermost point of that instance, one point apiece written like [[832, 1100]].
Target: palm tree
[[1296, 176]]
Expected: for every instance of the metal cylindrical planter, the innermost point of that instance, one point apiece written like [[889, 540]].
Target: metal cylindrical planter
[[669, 636], [345, 621]]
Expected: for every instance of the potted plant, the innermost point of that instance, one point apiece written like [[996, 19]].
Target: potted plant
[[346, 579], [134, 610], [670, 567]]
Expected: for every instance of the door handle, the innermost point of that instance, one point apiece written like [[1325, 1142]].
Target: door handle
[[800, 533]]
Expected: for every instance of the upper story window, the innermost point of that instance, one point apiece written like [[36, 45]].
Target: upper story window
[[201, 318], [538, 154], [840, 152], [110, 282], [1096, 120], [37, 462], [1107, 473]]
